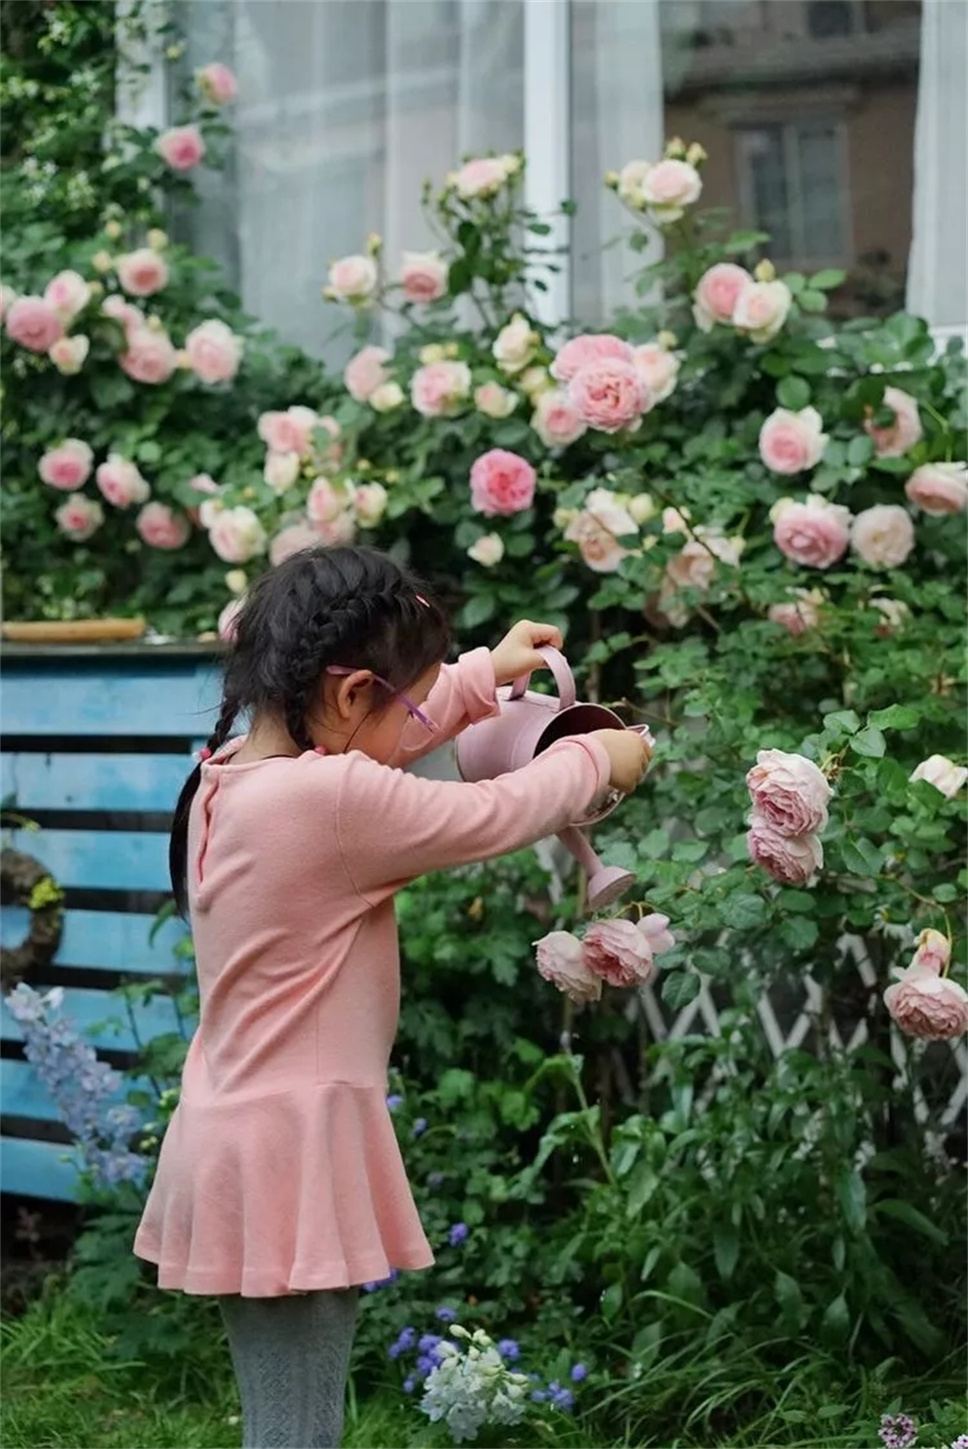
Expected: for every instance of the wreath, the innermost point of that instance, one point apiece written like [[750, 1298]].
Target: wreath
[[25, 882]]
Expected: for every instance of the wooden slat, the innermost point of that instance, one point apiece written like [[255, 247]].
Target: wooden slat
[[22, 1094], [120, 860], [38, 1169], [138, 697], [103, 1019], [92, 782], [106, 941]]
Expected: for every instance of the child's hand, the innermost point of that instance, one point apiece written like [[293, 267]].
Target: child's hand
[[630, 756], [517, 652]]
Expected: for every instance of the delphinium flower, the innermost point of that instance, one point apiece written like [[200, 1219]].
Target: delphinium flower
[[445, 1314], [458, 1234], [394, 1101], [579, 1373], [383, 1282], [560, 1398], [472, 1388], [509, 1350], [405, 1341], [897, 1431]]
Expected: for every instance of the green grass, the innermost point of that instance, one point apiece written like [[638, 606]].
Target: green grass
[[61, 1390]]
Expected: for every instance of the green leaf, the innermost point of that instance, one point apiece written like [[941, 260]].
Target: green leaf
[[895, 1207], [812, 301], [829, 278], [679, 988], [477, 610], [798, 902], [793, 392], [852, 1196], [835, 1324], [896, 717], [842, 722], [787, 1292], [460, 276], [642, 1184], [726, 1249], [741, 910], [685, 1283], [869, 742], [799, 932], [862, 857], [646, 1345], [860, 450], [612, 1302]]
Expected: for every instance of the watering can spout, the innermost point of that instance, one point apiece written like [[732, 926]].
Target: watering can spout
[[606, 883]]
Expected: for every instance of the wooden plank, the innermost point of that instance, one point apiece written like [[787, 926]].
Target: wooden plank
[[92, 782], [22, 1094], [102, 1018], [107, 697], [39, 1169], [107, 941], [121, 860]]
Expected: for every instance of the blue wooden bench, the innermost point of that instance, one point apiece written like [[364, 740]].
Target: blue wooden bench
[[96, 744]]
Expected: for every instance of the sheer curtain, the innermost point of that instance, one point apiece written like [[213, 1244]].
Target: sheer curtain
[[345, 107]]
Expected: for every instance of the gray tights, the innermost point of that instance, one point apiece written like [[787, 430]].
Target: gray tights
[[291, 1357]]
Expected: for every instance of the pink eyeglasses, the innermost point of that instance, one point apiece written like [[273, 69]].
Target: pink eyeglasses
[[417, 713]]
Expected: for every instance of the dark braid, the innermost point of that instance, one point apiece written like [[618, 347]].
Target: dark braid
[[348, 606]]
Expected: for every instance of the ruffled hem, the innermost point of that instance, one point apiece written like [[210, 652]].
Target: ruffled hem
[[298, 1191]]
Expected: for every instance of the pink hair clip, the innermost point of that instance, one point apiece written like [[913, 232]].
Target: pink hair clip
[[204, 754], [421, 600]]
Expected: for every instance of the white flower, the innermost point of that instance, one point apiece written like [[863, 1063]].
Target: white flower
[[487, 551], [515, 345], [386, 397], [942, 773], [281, 470]]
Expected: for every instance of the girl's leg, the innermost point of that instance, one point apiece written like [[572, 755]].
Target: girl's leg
[[291, 1358]]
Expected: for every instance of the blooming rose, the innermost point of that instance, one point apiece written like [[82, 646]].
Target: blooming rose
[[204, 483], [365, 372], [717, 294], [438, 390], [933, 951], [68, 353], [694, 567], [814, 532], [291, 540], [386, 397], [214, 351], [68, 466], [121, 483], [124, 312], [209, 511], [68, 294], [337, 531], [515, 345], [142, 273], [659, 367], [495, 401], [796, 617], [619, 953], [882, 536], [369, 502], [761, 309], [609, 395], [642, 507], [791, 442], [487, 551], [79, 517], [281, 470], [655, 929], [289, 432], [237, 535], [151, 357], [327, 501], [598, 546], [555, 421], [217, 83], [791, 859], [589, 347], [423, 276], [789, 792], [502, 483], [161, 527], [939, 488], [608, 509], [927, 1005], [482, 177], [942, 773], [34, 324], [893, 613], [535, 380], [668, 188], [630, 183], [181, 147], [228, 620], [904, 432], [353, 279], [560, 960]]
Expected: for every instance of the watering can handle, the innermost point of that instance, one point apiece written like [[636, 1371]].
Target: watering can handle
[[563, 677]]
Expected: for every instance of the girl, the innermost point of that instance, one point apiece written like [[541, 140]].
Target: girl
[[280, 1186]]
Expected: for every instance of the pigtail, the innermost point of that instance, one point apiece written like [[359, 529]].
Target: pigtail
[[178, 842]]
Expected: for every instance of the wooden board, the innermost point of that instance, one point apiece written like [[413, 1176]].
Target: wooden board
[[75, 631]]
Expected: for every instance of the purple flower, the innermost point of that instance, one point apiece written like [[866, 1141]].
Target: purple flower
[[561, 1398], [446, 1315], [407, 1338], [383, 1282], [409, 1384], [429, 1343], [538, 1396], [578, 1373], [394, 1101], [420, 1127], [395, 1350], [897, 1431], [509, 1350], [426, 1364], [458, 1234], [961, 1442]]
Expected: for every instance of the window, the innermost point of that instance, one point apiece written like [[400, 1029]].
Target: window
[[792, 184]]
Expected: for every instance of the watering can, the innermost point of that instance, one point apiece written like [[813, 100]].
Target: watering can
[[527, 724]]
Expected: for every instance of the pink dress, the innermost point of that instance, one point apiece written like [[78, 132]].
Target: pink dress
[[280, 1170]]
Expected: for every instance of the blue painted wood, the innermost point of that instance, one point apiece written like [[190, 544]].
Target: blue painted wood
[[107, 941], [103, 1020], [107, 697], [92, 782], [120, 860], [38, 1169]]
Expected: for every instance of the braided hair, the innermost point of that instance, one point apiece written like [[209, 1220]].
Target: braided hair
[[354, 607]]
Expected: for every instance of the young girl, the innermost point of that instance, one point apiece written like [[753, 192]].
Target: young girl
[[280, 1187]]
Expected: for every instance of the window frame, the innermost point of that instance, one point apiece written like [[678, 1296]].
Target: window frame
[[789, 128]]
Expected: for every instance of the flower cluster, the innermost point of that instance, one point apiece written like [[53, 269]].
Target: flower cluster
[[789, 795], [68, 466], [472, 1387], [897, 1431], [661, 189], [924, 1002], [617, 952], [755, 305]]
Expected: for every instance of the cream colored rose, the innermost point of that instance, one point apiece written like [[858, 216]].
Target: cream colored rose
[[942, 773], [386, 397], [762, 308], [281, 470], [369, 503], [495, 401], [353, 279], [659, 367], [939, 488], [642, 507], [487, 551], [882, 536], [515, 345]]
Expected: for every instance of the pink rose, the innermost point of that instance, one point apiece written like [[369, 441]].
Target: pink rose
[[281, 470], [68, 466], [68, 354], [79, 517], [365, 372], [589, 347], [439, 389], [495, 401], [609, 395], [369, 503], [353, 279], [598, 547], [694, 567], [942, 773], [939, 488], [792, 442], [560, 960], [121, 483], [814, 532], [217, 83], [659, 367], [926, 1005], [214, 352], [790, 859], [205, 483], [182, 147], [555, 421], [34, 324], [882, 536], [904, 432], [335, 532], [237, 535], [142, 273], [799, 616], [619, 953], [761, 309], [669, 187], [789, 792], [502, 483], [124, 312], [161, 527], [327, 501], [289, 432], [292, 540], [228, 620], [68, 294], [484, 176], [423, 276], [717, 293], [150, 357], [655, 929], [933, 951]]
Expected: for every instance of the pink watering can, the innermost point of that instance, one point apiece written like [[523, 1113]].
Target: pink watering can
[[527, 724]]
